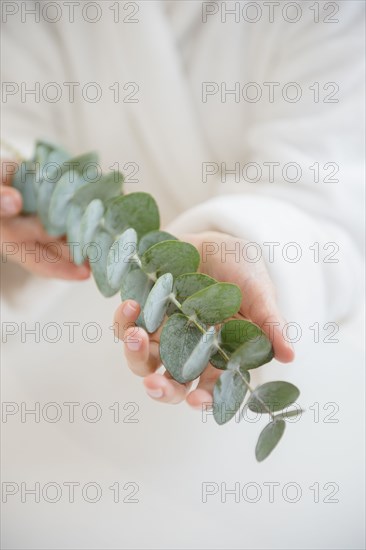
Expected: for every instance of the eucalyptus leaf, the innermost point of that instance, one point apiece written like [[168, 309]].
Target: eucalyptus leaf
[[214, 304], [157, 302], [252, 354], [91, 221], [137, 210], [97, 253], [120, 257], [73, 225], [153, 237], [229, 393], [43, 149], [290, 414], [274, 395], [60, 201], [105, 188], [24, 180], [178, 340], [136, 285], [232, 335], [200, 356], [55, 165], [187, 284], [173, 257], [85, 165], [50, 173], [269, 438]]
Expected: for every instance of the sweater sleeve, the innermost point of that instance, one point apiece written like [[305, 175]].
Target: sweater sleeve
[[298, 197]]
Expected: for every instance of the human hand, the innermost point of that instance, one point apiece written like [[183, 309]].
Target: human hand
[[259, 306], [25, 242]]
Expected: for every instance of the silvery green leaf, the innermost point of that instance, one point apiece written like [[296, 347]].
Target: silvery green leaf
[[232, 335], [54, 166], [290, 414], [173, 257], [48, 154], [228, 396], [178, 339], [252, 354], [157, 302], [49, 175], [43, 150], [73, 224], [45, 191], [60, 201], [120, 256], [137, 210], [273, 395], [97, 253], [214, 304], [153, 237], [187, 284], [105, 188], [136, 285], [200, 356], [25, 181], [90, 222], [269, 438]]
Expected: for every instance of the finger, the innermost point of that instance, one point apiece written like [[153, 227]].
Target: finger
[[125, 316], [142, 355], [203, 394], [163, 388], [10, 202], [266, 315], [34, 262]]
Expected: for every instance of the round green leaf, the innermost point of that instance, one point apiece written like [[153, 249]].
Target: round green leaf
[[274, 395], [173, 257], [50, 173], [213, 304], [60, 201], [232, 335], [136, 285], [153, 237], [43, 150], [90, 221], [25, 181], [157, 302], [178, 340], [97, 253], [73, 224], [187, 284], [252, 354], [269, 438], [200, 356], [137, 210], [229, 393], [120, 257], [105, 188], [85, 165], [54, 165]]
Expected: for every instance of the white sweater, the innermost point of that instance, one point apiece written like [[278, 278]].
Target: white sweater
[[297, 179]]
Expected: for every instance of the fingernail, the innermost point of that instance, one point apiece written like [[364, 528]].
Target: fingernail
[[8, 205], [155, 393], [129, 310], [133, 345]]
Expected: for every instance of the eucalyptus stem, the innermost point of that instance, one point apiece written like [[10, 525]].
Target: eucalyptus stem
[[164, 263]]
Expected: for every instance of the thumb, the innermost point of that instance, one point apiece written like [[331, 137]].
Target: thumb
[[10, 202]]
